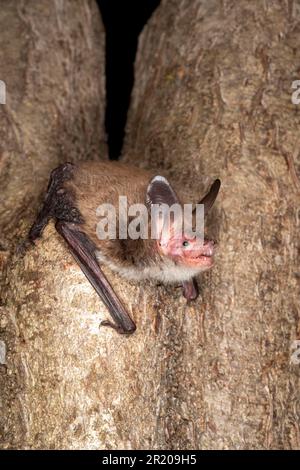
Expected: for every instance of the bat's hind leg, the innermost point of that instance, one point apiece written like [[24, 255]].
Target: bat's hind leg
[[57, 202], [190, 290]]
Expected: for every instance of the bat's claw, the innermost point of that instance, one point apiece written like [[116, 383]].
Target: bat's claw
[[108, 323], [117, 328]]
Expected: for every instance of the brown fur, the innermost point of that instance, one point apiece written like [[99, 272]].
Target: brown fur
[[96, 183]]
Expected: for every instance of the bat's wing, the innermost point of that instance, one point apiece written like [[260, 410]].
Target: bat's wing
[[83, 251], [211, 196]]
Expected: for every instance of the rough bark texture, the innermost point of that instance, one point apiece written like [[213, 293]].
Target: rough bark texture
[[52, 61], [212, 98]]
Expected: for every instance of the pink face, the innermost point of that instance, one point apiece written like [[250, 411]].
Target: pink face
[[189, 251]]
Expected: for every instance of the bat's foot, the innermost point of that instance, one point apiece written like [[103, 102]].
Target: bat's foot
[[117, 328], [190, 290]]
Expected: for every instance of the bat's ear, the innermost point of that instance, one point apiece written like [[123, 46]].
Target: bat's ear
[[211, 196], [160, 191]]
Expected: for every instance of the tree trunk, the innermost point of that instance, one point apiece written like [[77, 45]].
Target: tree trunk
[[52, 62], [212, 98]]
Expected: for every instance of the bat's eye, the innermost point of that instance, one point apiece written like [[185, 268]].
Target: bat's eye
[[185, 243]]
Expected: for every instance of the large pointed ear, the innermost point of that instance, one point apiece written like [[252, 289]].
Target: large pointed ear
[[211, 196], [160, 191]]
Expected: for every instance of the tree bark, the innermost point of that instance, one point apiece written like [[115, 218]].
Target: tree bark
[[52, 62], [213, 98]]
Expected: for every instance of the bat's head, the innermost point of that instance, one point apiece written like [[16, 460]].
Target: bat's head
[[186, 249], [192, 252]]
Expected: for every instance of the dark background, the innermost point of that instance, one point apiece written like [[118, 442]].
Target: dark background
[[123, 21]]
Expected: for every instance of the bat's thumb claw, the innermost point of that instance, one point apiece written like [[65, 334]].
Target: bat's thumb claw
[[119, 329], [106, 323]]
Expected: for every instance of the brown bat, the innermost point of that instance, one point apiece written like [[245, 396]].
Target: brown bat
[[74, 193]]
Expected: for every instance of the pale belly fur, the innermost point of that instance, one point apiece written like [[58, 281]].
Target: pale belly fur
[[167, 272]]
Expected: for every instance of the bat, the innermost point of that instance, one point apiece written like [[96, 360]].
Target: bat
[[74, 193]]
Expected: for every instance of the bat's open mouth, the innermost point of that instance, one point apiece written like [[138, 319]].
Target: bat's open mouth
[[200, 260], [206, 252], [202, 256]]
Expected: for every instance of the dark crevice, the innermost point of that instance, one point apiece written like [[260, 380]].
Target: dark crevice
[[123, 21]]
